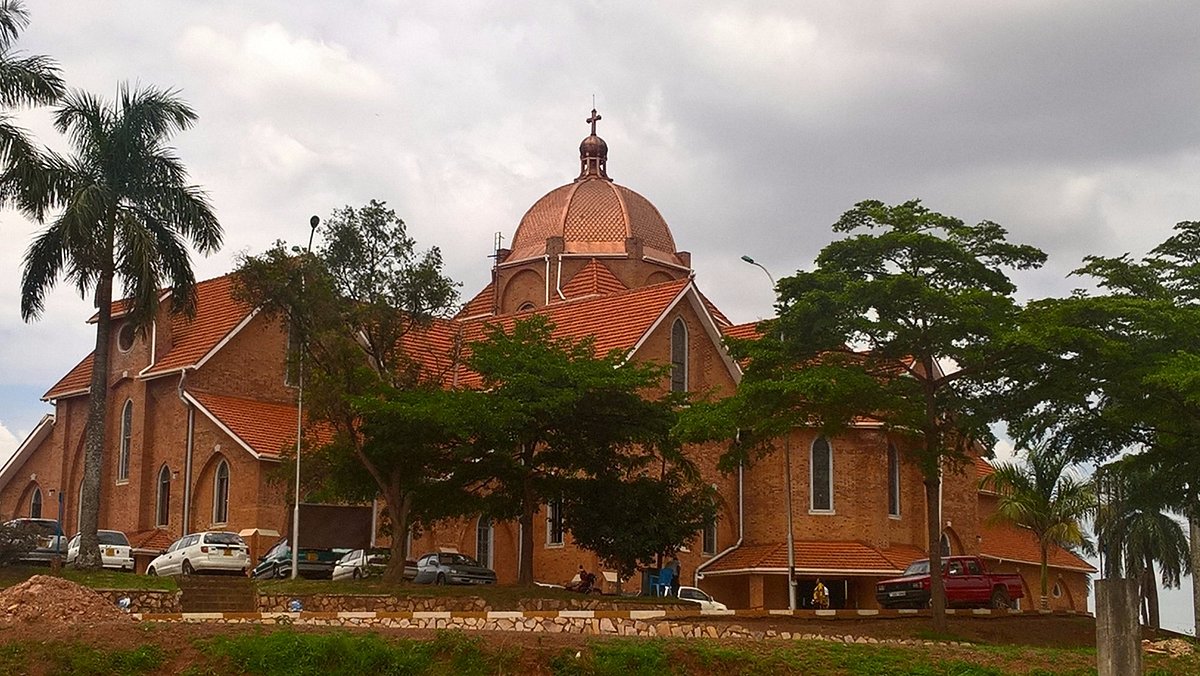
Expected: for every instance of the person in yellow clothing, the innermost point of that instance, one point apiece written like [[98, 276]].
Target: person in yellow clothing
[[820, 596]]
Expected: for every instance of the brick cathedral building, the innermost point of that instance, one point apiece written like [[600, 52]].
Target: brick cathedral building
[[200, 413]]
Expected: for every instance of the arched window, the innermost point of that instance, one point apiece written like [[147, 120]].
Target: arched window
[[126, 435], [821, 476], [893, 460], [221, 493], [163, 513], [679, 356], [946, 544], [708, 540], [35, 504], [527, 307], [485, 535]]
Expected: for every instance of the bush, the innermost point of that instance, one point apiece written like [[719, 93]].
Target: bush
[[15, 541]]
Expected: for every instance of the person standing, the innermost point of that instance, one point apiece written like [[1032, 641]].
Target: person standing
[[675, 568]]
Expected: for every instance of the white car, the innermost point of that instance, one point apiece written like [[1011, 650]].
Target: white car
[[210, 551], [114, 550], [361, 563], [698, 596]]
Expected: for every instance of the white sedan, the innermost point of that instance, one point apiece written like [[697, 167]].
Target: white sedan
[[211, 551], [114, 550], [698, 596]]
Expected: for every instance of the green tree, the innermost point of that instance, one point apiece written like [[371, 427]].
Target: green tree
[[24, 81], [556, 412], [1044, 495], [628, 521], [124, 213], [351, 309], [1102, 373], [900, 323]]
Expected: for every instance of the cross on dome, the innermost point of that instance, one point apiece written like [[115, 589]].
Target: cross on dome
[[593, 120], [593, 153]]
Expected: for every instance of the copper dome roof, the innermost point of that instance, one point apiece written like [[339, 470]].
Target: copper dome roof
[[593, 215]]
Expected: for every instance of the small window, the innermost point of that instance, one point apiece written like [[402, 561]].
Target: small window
[[484, 535], [35, 504], [821, 476], [125, 337], [679, 356], [973, 567], [893, 460], [554, 523], [221, 493], [708, 544], [163, 512], [1057, 591], [527, 307], [126, 438]]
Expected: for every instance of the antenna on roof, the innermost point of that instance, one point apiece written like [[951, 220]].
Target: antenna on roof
[[496, 242]]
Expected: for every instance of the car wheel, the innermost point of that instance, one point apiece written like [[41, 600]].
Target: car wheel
[[281, 572], [999, 599], [355, 575], [151, 572], [187, 568], [441, 579]]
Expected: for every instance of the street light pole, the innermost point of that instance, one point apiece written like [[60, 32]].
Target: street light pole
[[312, 224], [787, 468]]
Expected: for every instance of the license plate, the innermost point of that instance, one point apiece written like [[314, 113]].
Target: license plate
[[310, 556], [45, 542], [899, 593], [228, 552], [110, 552]]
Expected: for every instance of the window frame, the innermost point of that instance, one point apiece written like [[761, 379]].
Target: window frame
[[490, 538], [126, 442], [708, 539], [35, 503], [812, 478], [554, 524], [679, 367], [893, 471], [220, 513], [162, 489]]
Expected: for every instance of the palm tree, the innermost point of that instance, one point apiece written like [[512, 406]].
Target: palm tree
[[1138, 533], [24, 81], [124, 211], [1044, 495]]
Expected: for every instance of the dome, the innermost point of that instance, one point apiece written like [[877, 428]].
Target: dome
[[593, 215]]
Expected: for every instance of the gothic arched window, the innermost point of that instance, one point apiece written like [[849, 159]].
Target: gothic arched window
[[35, 504], [163, 512], [893, 460], [126, 436], [679, 356], [821, 476], [485, 535], [221, 493]]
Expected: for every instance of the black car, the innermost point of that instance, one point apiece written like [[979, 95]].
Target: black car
[[312, 563], [48, 541], [452, 568]]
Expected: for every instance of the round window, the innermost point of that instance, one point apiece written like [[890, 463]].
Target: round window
[[125, 338]]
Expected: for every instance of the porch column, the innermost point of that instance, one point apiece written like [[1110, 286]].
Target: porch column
[[756, 592]]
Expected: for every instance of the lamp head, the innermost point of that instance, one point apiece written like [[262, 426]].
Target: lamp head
[[314, 222], [749, 260]]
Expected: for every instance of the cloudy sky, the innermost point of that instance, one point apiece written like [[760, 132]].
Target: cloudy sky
[[751, 125]]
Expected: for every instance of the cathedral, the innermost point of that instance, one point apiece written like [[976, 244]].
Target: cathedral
[[201, 409]]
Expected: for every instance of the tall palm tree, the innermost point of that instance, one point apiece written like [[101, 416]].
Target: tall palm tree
[[1046, 496], [1138, 533], [24, 81], [124, 214]]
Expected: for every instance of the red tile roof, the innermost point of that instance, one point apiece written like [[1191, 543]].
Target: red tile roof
[[594, 279], [267, 428], [77, 381], [153, 540], [722, 320], [1012, 543], [747, 331], [983, 468], [481, 304], [217, 314], [848, 556]]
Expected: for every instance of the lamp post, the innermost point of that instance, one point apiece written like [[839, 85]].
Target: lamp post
[[787, 468], [312, 224]]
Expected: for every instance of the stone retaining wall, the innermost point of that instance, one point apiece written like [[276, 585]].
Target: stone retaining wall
[[277, 603], [145, 600]]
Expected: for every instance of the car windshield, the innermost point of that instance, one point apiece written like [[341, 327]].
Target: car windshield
[[112, 537], [456, 560], [39, 526], [917, 568], [222, 539]]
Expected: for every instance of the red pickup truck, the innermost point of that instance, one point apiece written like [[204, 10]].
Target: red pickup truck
[[968, 585]]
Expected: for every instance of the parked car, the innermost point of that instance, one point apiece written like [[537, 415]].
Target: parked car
[[313, 563], [362, 563], [114, 550], [48, 541], [701, 598], [452, 568], [968, 584], [210, 551]]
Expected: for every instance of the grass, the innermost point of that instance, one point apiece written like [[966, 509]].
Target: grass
[[498, 596], [76, 658], [99, 579]]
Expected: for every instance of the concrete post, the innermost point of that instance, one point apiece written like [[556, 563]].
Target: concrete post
[[1118, 633]]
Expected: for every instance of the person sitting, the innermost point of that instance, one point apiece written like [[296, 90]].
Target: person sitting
[[820, 596]]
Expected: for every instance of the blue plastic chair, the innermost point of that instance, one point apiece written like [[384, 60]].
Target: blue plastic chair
[[665, 578]]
